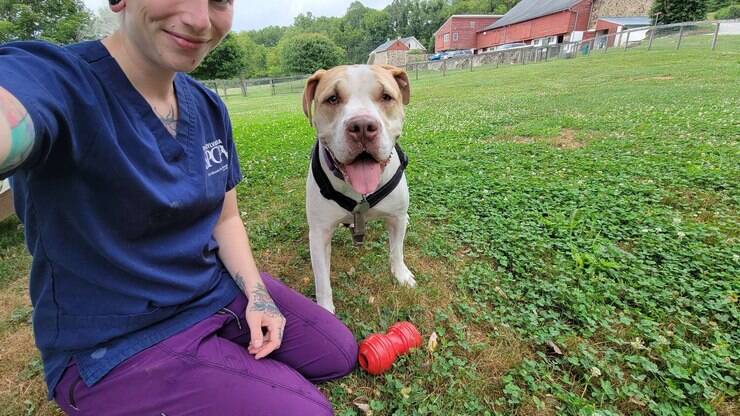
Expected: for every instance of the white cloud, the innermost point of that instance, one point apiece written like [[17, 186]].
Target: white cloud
[[248, 15]]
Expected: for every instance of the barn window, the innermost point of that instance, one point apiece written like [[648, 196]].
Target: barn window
[[447, 38], [455, 36]]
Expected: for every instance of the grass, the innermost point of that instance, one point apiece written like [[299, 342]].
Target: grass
[[574, 233]]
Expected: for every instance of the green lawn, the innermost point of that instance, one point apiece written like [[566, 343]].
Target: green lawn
[[574, 235]]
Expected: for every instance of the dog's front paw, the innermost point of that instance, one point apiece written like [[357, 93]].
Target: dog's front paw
[[329, 306], [404, 276]]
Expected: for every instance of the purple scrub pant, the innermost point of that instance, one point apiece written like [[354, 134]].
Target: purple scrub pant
[[206, 369]]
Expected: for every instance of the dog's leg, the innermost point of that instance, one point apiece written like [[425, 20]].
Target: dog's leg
[[396, 233], [319, 237]]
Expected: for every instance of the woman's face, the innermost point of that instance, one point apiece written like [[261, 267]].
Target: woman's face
[[176, 34]]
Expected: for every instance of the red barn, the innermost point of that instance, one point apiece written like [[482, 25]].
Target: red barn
[[538, 22], [460, 31]]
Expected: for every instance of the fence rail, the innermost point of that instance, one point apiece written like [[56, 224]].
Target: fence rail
[[672, 36]]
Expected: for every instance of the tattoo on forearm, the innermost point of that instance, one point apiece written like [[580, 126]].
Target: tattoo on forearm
[[240, 282], [169, 120], [22, 134], [262, 301]]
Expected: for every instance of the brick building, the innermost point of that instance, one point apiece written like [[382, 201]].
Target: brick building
[[460, 31]]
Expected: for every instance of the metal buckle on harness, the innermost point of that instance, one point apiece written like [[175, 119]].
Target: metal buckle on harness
[[358, 225]]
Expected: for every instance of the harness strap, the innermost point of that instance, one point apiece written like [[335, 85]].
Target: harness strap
[[349, 204]]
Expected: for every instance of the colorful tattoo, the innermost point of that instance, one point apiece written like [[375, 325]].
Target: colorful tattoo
[[22, 135], [169, 121]]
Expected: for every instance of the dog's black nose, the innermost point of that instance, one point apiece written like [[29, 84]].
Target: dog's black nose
[[362, 128]]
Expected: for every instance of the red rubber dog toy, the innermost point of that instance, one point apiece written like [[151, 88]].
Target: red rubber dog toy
[[378, 351]]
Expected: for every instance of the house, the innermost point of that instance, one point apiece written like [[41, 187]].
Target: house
[[608, 26], [6, 200], [460, 31], [396, 51], [537, 22]]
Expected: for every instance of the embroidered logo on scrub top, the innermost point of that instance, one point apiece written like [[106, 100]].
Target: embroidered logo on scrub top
[[216, 156]]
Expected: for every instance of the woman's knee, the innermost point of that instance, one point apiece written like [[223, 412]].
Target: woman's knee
[[342, 359]]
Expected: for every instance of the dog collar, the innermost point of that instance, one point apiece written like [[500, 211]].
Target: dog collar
[[332, 165], [358, 208]]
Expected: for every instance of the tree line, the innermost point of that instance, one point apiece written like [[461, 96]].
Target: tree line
[[311, 42]]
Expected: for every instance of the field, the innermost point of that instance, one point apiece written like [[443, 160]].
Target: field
[[574, 235]]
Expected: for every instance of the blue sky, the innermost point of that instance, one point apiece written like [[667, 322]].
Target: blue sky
[[250, 14]]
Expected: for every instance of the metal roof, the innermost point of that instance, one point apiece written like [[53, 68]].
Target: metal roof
[[628, 20], [388, 44], [532, 9]]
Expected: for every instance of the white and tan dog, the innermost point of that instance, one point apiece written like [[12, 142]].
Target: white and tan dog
[[357, 112]]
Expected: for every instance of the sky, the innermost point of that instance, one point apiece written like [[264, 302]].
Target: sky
[[248, 15]]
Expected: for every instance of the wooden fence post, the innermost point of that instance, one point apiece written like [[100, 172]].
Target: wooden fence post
[[680, 36], [652, 36], [627, 41], [716, 34]]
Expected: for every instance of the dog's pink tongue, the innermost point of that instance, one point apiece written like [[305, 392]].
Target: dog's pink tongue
[[364, 176]]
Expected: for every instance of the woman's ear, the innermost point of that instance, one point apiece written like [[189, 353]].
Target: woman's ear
[[117, 5]]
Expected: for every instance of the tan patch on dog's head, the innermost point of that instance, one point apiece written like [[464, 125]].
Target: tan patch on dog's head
[[324, 83]]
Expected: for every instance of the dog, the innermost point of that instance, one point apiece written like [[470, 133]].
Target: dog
[[357, 168]]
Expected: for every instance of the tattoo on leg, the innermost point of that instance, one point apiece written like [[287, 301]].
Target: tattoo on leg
[[262, 301]]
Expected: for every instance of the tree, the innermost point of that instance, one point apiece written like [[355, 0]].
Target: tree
[[255, 56], [225, 62], [308, 52], [61, 21], [102, 24], [672, 11], [268, 36], [729, 12], [714, 5]]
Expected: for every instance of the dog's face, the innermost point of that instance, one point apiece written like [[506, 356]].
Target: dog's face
[[358, 117]]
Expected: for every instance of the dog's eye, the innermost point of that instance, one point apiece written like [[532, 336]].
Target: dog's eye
[[332, 99], [387, 97]]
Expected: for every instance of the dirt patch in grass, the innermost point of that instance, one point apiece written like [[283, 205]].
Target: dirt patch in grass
[[504, 350], [697, 206], [727, 406], [22, 388], [656, 78], [566, 140], [13, 297], [529, 408]]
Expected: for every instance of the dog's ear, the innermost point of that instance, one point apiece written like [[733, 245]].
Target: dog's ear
[[310, 91], [402, 79]]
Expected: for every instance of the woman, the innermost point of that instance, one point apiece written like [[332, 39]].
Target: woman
[[147, 299]]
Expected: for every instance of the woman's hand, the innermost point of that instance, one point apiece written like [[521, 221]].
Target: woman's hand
[[263, 313]]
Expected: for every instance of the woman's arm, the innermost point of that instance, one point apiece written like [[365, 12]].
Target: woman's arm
[[16, 132], [236, 254]]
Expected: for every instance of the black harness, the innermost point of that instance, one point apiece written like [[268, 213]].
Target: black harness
[[358, 208]]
